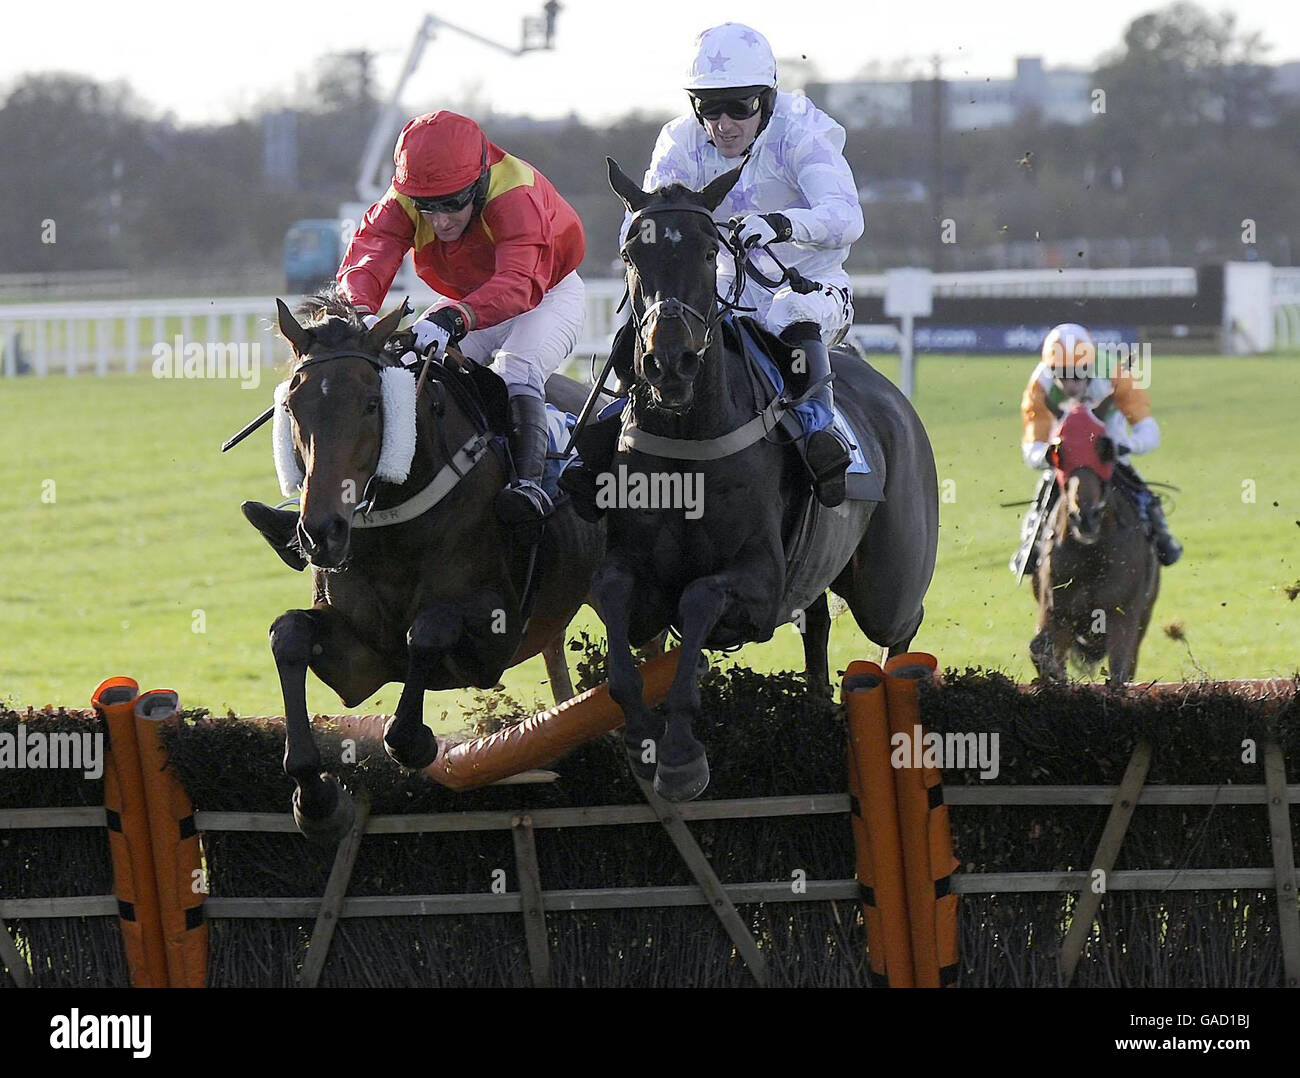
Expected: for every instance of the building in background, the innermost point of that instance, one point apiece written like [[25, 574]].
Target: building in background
[[1060, 95]]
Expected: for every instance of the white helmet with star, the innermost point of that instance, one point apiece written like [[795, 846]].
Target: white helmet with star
[[731, 55]]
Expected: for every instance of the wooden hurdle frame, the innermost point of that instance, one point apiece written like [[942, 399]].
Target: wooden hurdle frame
[[533, 902]]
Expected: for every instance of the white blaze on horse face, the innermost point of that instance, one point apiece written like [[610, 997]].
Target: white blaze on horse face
[[324, 387]]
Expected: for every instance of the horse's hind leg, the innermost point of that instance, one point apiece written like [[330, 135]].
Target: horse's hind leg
[[322, 809], [816, 640]]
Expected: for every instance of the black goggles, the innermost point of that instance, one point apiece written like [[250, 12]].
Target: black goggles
[[738, 108], [452, 203]]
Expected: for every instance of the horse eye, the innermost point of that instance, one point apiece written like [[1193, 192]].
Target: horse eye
[[711, 255], [372, 405]]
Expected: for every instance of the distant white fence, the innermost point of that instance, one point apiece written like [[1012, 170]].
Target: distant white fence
[[1072, 283], [100, 336], [1286, 307]]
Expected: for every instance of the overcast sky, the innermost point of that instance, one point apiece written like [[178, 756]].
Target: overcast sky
[[205, 62]]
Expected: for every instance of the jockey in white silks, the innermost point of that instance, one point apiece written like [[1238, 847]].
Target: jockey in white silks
[[796, 193]]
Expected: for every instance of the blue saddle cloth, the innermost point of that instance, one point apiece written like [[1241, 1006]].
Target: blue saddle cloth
[[812, 414]]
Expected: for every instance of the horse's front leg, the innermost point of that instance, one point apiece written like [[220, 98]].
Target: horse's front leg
[[437, 628], [469, 642], [322, 809], [683, 771], [614, 590], [1122, 640]]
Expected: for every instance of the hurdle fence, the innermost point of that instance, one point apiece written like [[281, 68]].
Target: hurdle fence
[[536, 903]]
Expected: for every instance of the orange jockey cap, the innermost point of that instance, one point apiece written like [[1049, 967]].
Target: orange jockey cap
[[439, 153]]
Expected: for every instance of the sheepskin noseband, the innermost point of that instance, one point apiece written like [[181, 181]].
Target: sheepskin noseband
[[397, 450]]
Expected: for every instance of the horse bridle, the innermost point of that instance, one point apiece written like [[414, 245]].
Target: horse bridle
[[366, 505], [673, 307], [676, 308]]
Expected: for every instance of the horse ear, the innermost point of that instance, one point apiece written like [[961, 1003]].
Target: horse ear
[[626, 189], [377, 335], [713, 194], [299, 338]]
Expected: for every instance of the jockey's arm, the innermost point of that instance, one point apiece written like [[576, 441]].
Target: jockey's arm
[[521, 240], [1038, 419], [1135, 405], [375, 254], [833, 218]]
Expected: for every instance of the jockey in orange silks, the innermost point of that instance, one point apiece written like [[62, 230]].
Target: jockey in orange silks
[[1069, 370]]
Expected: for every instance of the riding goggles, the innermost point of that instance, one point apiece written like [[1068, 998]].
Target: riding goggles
[[738, 108], [453, 203]]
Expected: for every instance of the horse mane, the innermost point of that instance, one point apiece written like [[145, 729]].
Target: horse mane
[[330, 316], [675, 192]]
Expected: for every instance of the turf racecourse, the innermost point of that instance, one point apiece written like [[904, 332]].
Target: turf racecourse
[[125, 551]]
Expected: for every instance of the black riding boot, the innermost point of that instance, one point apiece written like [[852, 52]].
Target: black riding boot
[[279, 527], [825, 453], [596, 446], [524, 504], [1168, 549], [599, 438]]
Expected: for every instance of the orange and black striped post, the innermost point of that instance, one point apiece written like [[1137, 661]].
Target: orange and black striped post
[[178, 859], [875, 826], [928, 861], [129, 841]]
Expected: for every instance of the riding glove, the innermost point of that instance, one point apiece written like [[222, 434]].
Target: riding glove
[[1036, 455], [760, 229], [437, 329]]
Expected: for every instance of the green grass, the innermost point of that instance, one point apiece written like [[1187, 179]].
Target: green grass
[[144, 531]]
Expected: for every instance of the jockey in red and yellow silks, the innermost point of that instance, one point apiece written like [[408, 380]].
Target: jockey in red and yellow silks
[[494, 238], [1068, 371]]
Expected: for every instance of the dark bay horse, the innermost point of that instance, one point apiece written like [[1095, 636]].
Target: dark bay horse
[[721, 577], [1098, 574], [433, 601]]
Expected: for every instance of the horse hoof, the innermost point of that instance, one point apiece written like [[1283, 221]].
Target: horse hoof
[[636, 753], [333, 826], [418, 752], [682, 782]]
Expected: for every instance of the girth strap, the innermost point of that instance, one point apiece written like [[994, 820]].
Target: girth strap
[[443, 483], [723, 446]]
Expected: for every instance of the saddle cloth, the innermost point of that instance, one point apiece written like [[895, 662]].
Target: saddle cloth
[[861, 483]]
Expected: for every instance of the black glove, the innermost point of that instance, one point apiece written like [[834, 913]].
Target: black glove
[[452, 320], [433, 332]]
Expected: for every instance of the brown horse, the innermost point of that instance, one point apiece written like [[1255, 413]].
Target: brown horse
[[433, 598], [1098, 575]]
